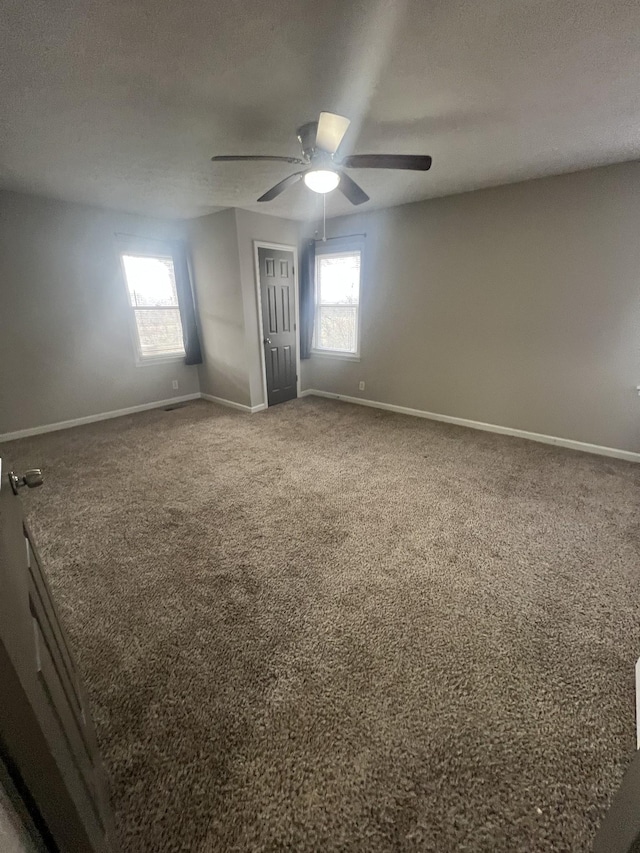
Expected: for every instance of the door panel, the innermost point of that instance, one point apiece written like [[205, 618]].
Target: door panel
[[620, 829], [277, 293], [286, 311], [272, 325], [46, 732], [287, 366]]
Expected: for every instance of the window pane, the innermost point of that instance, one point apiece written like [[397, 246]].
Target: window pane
[[159, 331], [151, 281], [339, 278], [337, 328]]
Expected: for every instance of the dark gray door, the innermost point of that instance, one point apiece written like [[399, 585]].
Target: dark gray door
[[620, 830], [277, 291], [47, 738]]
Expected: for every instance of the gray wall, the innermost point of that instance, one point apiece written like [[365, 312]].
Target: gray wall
[[66, 349], [224, 272], [517, 306], [216, 271]]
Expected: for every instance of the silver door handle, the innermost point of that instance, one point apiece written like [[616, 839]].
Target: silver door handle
[[31, 478], [267, 340]]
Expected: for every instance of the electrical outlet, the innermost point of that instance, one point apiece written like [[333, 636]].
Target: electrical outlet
[[174, 384], [361, 386]]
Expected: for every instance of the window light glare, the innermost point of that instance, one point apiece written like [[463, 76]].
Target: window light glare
[[322, 180]]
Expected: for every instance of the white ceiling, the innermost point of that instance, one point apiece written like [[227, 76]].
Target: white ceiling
[[122, 103]]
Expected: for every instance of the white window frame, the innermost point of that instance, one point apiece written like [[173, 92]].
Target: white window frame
[[337, 247], [163, 253]]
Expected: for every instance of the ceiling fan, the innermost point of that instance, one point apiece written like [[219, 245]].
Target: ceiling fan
[[320, 141]]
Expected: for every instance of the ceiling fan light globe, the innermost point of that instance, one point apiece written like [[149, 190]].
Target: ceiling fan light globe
[[322, 180]]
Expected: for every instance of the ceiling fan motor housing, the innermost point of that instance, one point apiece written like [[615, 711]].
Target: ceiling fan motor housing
[[307, 138]]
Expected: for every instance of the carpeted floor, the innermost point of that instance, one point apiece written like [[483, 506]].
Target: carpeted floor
[[329, 628]]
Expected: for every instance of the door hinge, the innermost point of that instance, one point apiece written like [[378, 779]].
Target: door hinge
[[294, 327]]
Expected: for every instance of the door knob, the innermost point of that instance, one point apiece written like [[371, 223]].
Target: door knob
[[31, 478], [267, 340]]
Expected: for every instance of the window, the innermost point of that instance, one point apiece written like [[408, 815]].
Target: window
[[151, 285], [337, 302]]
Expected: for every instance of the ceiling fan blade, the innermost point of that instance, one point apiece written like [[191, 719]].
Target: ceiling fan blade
[[280, 187], [229, 158], [331, 131], [415, 162], [351, 190]]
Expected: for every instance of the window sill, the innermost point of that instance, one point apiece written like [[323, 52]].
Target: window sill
[[341, 356], [161, 359]]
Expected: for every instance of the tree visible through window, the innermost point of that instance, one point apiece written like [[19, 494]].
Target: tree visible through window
[[337, 302], [151, 285]]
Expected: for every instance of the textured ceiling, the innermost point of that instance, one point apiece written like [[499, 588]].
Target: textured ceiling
[[122, 103]]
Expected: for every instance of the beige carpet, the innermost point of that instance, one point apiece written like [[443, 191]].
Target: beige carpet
[[328, 628]]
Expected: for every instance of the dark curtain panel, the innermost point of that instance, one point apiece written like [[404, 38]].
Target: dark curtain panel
[[307, 296], [187, 305]]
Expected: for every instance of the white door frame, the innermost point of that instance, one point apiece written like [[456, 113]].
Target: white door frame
[[263, 244]]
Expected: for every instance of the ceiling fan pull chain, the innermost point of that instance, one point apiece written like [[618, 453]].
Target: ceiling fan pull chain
[[324, 218]]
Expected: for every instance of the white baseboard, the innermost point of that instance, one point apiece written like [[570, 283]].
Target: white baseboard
[[614, 452], [638, 704], [118, 413], [629, 455], [90, 419], [232, 405]]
